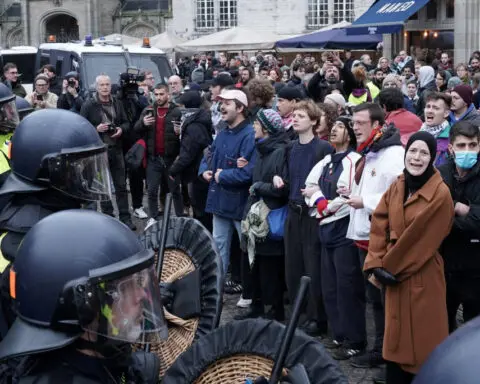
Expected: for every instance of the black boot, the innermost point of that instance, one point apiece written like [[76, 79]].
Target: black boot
[[276, 312], [256, 310]]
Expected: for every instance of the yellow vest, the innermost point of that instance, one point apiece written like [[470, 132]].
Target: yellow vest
[[3, 262]]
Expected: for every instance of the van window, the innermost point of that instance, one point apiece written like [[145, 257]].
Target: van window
[[158, 64], [101, 63], [25, 64], [44, 60]]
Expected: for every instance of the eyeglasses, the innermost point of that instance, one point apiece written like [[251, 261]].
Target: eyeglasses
[[149, 78], [42, 85]]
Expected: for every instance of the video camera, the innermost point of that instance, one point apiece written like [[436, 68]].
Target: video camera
[[129, 81]]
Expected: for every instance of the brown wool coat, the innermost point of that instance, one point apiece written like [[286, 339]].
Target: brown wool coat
[[404, 240]]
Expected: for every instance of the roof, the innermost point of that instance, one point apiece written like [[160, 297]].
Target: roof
[[18, 50], [145, 5], [80, 48]]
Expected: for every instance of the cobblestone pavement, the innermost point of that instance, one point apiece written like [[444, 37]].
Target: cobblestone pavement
[[355, 375]]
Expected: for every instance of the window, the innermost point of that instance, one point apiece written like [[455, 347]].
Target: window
[[317, 13], [342, 10], [432, 10], [228, 14], [205, 14], [450, 9]]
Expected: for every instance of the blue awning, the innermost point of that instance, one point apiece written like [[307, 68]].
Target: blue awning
[[385, 16]]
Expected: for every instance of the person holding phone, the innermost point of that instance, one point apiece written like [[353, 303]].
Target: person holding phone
[[41, 97], [70, 99]]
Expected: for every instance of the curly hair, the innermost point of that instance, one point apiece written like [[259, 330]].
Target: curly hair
[[330, 114], [262, 90]]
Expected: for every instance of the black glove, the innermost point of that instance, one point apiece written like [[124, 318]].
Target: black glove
[[384, 277]]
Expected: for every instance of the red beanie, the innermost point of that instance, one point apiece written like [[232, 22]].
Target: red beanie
[[465, 92]]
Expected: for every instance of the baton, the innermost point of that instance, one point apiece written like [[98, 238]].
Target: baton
[[289, 331]]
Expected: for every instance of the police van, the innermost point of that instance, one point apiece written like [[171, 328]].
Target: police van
[[112, 58], [24, 57]]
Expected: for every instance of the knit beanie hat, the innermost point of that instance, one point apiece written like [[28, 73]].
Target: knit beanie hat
[[465, 92], [391, 78], [347, 121], [190, 99], [290, 93], [453, 82], [270, 121]]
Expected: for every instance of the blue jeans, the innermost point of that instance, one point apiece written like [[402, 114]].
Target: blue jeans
[[222, 234]]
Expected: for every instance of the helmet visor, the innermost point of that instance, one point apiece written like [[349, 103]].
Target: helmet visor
[[9, 118], [129, 308], [83, 175]]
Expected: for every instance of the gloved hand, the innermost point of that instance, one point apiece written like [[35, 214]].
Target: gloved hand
[[384, 277]]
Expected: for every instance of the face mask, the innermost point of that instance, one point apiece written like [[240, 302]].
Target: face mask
[[466, 159]]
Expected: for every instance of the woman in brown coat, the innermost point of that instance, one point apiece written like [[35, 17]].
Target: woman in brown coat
[[408, 226]]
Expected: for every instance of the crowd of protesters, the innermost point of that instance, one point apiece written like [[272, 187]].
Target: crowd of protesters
[[362, 175]]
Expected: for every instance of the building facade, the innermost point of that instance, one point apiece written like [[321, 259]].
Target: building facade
[[30, 22]]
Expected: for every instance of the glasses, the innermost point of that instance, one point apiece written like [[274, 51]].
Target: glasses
[[41, 85], [149, 78]]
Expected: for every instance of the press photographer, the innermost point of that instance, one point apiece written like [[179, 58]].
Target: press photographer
[[41, 97], [133, 100], [106, 113], [70, 98]]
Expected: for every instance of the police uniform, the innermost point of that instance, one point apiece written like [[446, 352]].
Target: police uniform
[[99, 293], [58, 162]]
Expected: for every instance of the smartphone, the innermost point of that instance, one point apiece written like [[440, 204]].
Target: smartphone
[[40, 97], [149, 113], [345, 197]]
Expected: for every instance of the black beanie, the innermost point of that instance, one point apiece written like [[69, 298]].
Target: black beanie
[[190, 99]]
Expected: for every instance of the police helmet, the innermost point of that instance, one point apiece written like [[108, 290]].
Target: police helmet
[[455, 360], [55, 148], [23, 107], [9, 118], [82, 273]]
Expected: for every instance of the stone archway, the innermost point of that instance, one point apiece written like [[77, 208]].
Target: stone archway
[[140, 30], [15, 37], [63, 26]]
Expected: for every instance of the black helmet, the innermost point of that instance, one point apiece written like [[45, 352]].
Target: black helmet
[[23, 107], [55, 148], [9, 118], [82, 273], [455, 360]]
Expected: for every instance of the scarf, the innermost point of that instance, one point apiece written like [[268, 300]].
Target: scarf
[[255, 227], [363, 149], [414, 183], [288, 121], [435, 130]]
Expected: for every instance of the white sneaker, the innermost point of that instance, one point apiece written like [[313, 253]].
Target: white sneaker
[[140, 213], [150, 222], [244, 303]]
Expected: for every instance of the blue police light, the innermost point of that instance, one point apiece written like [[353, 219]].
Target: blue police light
[[88, 41]]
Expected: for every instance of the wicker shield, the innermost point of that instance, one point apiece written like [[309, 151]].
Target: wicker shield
[[246, 349], [189, 247]]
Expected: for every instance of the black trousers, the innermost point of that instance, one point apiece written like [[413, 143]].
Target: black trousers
[[303, 257], [198, 192], [135, 178], [396, 375], [343, 290], [157, 171], [374, 297], [117, 169], [462, 288], [268, 280]]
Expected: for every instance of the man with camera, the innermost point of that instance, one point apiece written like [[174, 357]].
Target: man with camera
[[133, 103], [41, 97], [108, 116], [70, 98]]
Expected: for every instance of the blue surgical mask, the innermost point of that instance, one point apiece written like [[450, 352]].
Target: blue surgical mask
[[466, 159]]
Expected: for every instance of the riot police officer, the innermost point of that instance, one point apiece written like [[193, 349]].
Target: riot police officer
[[9, 120], [23, 107], [58, 161], [84, 288]]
